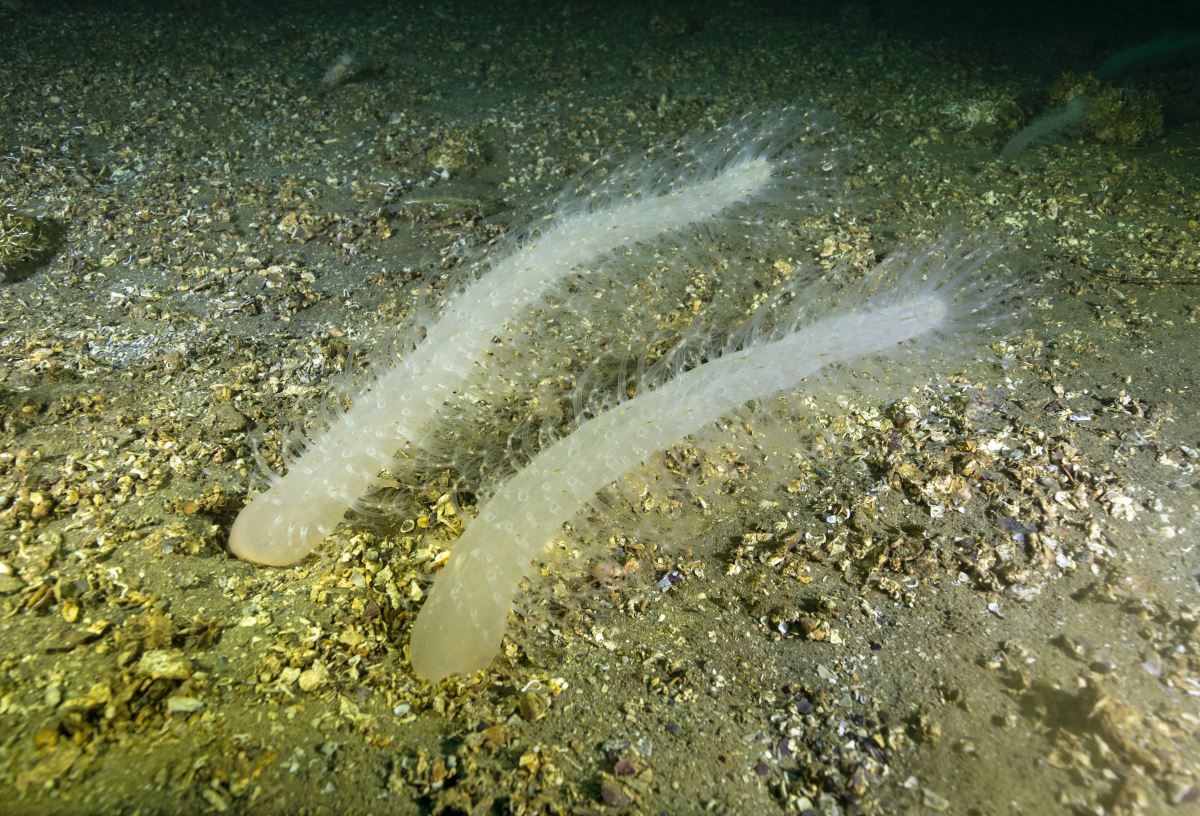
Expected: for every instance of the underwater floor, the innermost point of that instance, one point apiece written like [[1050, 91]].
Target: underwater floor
[[981, 598]]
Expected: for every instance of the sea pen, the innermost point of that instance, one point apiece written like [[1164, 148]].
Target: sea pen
[[940, 294], [397, 410]]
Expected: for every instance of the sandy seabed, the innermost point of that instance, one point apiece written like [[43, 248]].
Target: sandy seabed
[[980, 599]]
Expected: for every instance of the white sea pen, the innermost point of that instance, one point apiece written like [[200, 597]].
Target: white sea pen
[[460, 627], [397, 410]]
